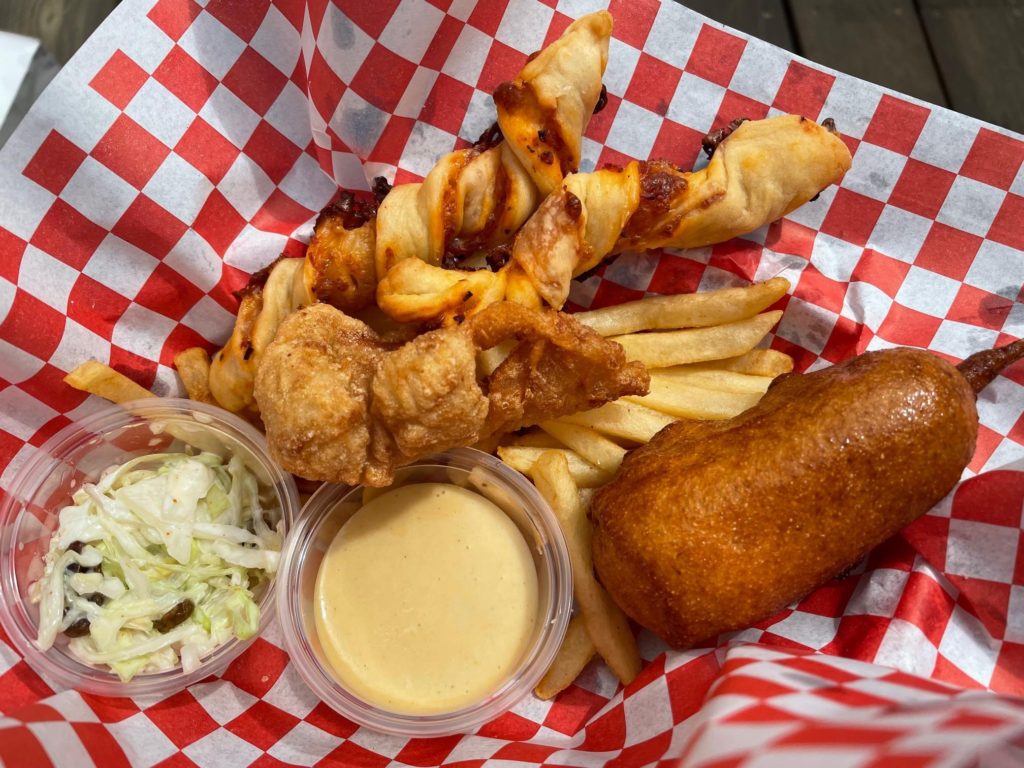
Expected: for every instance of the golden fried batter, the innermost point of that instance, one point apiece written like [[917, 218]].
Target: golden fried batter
[[714, 526], [312, 389], [427, 395], [561, 367], [339, 406]]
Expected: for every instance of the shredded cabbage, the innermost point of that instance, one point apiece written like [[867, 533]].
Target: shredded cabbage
[[154, 565]]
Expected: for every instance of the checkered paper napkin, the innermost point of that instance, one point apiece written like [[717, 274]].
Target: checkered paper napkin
[[191, 142]]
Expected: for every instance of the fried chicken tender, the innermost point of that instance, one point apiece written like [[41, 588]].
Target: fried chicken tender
[[340, 405], [313, 389], [427, 396], [562, 368]]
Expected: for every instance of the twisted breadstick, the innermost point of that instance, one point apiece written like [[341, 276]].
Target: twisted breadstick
[[268, 299], [473, 199], [476, 198], [339, 259], [544, 112], [759, 173]]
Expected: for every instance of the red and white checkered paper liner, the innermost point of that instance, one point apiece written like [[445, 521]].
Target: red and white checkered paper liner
[[190, 142]]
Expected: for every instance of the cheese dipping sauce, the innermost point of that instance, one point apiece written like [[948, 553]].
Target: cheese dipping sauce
[[426, 600]]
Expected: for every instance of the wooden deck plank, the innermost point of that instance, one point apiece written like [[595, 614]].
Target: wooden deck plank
[[878, 40], [764, 19], [979, 47], [61, 25]]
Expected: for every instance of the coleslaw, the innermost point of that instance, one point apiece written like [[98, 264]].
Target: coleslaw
[[156, 564]]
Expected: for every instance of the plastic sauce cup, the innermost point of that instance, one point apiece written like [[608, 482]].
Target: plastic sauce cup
[[332, 505]]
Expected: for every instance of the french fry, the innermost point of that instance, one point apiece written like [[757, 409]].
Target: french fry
[[662, 349], [604, 620], [591, 445], [621, 419], [691, 310], [587, 496], [688, 402], [756, 362], [98, 379], [575, 653], [102, 380], [536, 438], [584, 474], [487, 360], [194, 370], [722, 381]]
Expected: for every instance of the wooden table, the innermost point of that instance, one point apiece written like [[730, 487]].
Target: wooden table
[[967, 55], [964, 54], [61, 25]]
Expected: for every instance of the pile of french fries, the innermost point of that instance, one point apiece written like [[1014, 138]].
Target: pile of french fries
[[101, 380], [700, 351]]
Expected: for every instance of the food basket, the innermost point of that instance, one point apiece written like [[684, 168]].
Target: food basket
[[188, 144]]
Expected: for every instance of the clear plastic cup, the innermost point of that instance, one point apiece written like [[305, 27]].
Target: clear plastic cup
[[332, 505], [79, 453]]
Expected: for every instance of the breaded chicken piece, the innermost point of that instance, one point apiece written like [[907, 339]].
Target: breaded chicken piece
[[426, 393], [560, 367], [339, 406], [313, 384]]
